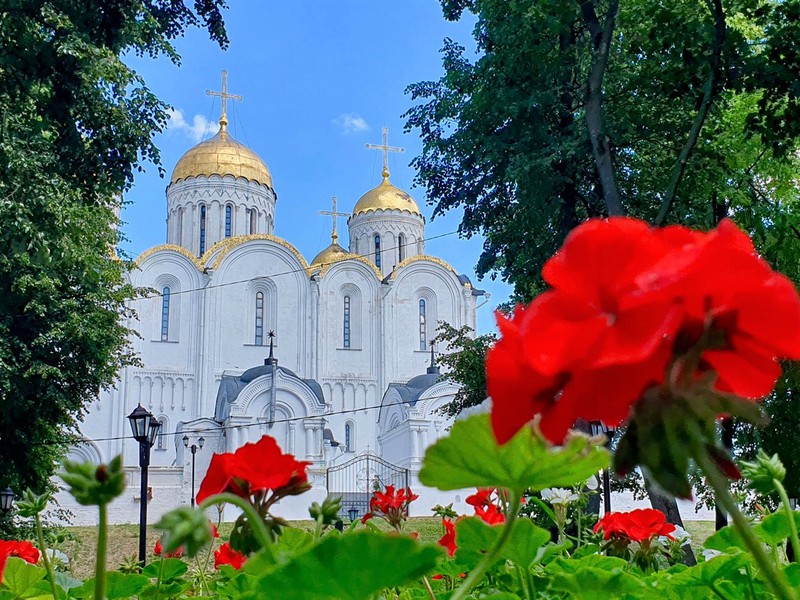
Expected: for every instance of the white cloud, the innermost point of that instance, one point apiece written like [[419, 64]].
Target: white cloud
[[351, 123], [196, 130]]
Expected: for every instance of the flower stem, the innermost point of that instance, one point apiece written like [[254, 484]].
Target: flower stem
[[47, 565], [790, 514], [160, 573], [102, 551], [489, 558], [773, 576], [257, 523]]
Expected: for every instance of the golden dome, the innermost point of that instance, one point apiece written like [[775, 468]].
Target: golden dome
[[222, 155], [386, 197], [331, 254]]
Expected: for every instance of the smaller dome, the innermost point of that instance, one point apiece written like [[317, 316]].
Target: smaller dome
[[222, 155], [386, 197], [331, 254]]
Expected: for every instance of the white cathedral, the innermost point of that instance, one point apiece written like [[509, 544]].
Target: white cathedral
[[241, 337]]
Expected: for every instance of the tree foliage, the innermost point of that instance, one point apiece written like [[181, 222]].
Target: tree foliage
[[464, 363], [673, 112], [75, 124]]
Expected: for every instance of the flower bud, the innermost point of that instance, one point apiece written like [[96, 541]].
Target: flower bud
[[763, 472], [185, 527], [329, 511], [31, 504], [94, 485]]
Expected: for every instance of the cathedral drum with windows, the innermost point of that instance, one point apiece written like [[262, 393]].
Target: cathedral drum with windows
[[242, 337]]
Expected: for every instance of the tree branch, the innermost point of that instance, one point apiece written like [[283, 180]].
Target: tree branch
[[709, 94], [601, 148]]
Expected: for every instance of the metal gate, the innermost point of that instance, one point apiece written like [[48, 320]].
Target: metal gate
[[356, 479]]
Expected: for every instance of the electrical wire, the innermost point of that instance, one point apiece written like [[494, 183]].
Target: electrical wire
[[79, 440], [157, 294]]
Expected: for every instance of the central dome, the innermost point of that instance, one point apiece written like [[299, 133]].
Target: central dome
[[222, 155], [386, 197]]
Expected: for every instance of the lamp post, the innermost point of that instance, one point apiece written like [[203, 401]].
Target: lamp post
[[145, 429], [6, 500], [599, 428], [193, 448], [352, 512]]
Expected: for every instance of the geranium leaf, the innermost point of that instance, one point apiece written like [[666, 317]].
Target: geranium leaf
[[471, 457], [118, 585], [524, 546], [171, 569], [20, 577], [773, 529], [709, 572], [592, 579], [349, 567]]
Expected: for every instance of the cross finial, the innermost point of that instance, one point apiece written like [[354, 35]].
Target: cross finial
[[223, 120], [385, 148], [433, 369], [271, 360], [334, 214]]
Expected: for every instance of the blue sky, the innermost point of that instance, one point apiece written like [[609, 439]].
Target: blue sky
[[319, 79]]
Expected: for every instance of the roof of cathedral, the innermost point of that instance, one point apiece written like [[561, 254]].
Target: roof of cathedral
[[386, 197], [331, 254], [222, 155]]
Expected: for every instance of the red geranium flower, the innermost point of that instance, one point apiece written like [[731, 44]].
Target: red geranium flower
[[24, 550], [638, 525], [490, 514], [391, 505], [214, 532], [226, 555], [448, 540], [255, 468], [627, 303], [158, 549]]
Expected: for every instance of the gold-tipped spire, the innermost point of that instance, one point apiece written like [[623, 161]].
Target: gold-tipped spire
[[385, 148], [223, 119], [334, 214]]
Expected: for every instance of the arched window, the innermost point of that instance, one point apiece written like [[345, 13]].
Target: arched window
[[228, 220], [179, 228], [165, 314], [160, 444], [348, 437], [253, 220], [259, 318], [346, 331], [423, 326], [401, 247], [202, 229], [377, 251]]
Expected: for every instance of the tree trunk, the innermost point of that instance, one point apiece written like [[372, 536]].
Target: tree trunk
[[670, 508]]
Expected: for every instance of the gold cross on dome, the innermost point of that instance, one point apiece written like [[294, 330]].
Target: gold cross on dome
[[225, 97], [385, 148], [334, 214]]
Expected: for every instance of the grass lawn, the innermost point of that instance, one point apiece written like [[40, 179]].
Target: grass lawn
[[123, 542]]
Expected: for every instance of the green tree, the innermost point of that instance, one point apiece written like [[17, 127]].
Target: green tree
[[75, 124], [464, 363], [673, 112]]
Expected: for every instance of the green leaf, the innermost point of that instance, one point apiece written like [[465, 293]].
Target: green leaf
[[711, 571], [118, 585], [594, 577], [773, 529], [349, 567], [20, 577], [474, 538], [471, 457], [171, 569]]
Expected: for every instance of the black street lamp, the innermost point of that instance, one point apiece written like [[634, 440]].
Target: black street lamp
[[352, 512], [600, 428], [6, 500], [193, 448], [145, 429]]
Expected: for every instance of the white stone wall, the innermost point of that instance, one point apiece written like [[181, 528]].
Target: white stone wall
[[185, 197], [390, 225]]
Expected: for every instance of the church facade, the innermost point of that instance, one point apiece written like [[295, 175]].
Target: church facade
[[241, 336]]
